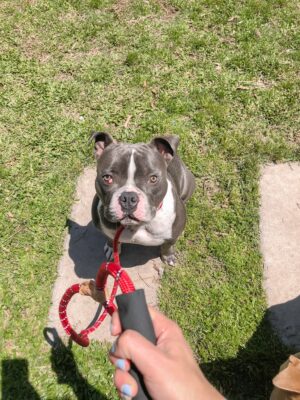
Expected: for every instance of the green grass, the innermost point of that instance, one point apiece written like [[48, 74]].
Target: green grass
[[224, 76]]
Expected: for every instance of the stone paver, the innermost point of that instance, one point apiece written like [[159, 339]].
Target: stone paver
[[280, 246]]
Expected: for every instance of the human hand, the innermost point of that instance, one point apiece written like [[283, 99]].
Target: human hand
[[169, 369]]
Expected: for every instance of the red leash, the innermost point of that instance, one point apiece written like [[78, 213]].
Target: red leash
[[96, 289]]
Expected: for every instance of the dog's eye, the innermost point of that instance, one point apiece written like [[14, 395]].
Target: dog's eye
[[107, 179], [153, 178]]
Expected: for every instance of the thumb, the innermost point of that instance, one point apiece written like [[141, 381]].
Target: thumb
[[145, 355]]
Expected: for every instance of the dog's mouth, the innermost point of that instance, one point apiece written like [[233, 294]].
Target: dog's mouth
[[129, 219]]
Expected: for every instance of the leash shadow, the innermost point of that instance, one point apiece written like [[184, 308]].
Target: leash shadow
[[86, 249], [249, 375], [64, 365]]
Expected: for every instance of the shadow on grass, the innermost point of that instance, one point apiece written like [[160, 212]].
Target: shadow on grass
[[15, 381], [249, 375], [65, 367]]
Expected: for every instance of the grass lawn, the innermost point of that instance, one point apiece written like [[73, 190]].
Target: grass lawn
[[224, 76]]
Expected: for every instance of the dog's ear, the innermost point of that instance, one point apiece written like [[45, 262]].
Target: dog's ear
[[289, 377], [166, 145], [101, 140]]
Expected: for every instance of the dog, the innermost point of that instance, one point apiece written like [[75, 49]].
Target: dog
[[287, 381], [144, 188]]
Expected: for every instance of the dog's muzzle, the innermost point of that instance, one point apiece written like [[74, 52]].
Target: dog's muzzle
[[128, 202]]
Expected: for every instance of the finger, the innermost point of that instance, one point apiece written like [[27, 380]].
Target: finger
[[115, 324], [120, 363], [129, 345], [125, 383], [161, 324]]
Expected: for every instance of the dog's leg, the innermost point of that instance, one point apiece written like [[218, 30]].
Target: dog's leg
[[95, 214], [167, 254], [108, 249]]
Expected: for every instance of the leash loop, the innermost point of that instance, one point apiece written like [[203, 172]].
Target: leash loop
[[96, 289]]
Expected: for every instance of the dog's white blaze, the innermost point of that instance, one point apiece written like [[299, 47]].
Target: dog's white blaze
[[131, 171]]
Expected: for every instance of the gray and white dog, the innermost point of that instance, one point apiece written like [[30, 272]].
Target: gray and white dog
[[143, 187]]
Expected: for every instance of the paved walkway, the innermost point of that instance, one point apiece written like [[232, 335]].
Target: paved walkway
[[280, 245]]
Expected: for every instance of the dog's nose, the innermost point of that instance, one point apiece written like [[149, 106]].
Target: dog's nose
[[129, 201]]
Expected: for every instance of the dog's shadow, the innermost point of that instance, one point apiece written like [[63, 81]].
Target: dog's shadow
[[86, 249], [249, 374]]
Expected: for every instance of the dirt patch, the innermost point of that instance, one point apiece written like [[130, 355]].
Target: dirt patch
[[122, 9], [33, 47]]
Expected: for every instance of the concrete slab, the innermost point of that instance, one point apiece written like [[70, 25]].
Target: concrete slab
[[280, 246], [83, 253]]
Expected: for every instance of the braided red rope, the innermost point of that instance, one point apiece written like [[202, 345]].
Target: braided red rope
[[122, 280]]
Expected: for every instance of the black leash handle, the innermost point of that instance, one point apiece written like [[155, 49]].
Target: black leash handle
[[134, 315]]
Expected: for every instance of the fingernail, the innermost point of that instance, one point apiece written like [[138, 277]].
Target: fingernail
[[113, 347], [120, 363], [126, 390]]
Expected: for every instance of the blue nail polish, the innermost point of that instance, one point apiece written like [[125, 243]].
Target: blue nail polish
[[126, 389], [120, 363]]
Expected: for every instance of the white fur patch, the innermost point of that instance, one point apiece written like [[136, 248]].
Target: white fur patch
[[131, 171], [154, 233], [157, 231], [143, 210]]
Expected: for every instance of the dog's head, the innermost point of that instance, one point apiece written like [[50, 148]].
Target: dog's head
[[132, 178], [287, 381]]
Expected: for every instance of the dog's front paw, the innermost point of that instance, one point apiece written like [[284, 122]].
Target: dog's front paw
[[108, 252], [169, 259]]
